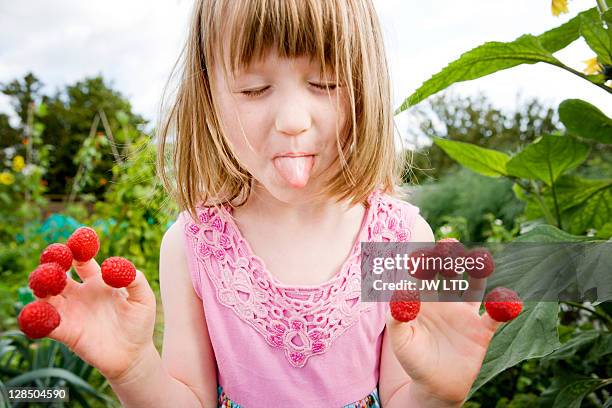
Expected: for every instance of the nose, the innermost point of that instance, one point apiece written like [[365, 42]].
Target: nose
[[292, 118]]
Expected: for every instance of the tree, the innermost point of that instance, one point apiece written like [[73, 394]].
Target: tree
[[475, 120]]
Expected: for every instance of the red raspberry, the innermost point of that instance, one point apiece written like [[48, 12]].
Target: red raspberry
[[84, 244], [503, 304], [405, 305], [486, 261], [448, 248], [118, 272], [38, 319], [47, 279], [422, 272], [59, 253]]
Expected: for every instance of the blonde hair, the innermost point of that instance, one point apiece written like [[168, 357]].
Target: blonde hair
[[343, 35]]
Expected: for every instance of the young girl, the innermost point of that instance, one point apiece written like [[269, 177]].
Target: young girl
[[284, 162]]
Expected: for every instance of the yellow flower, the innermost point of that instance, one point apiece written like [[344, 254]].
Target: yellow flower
[[18, 163], [592, 67], [6, 178], [559, 7]]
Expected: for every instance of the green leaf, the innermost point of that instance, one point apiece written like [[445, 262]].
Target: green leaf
[[480, 61], [547, 158], [560, 37], [549, 233], [532, 334], [595, 213], [575, 344], [593, 270], [602, 346], [585, 120], [583, 203], [597, 38], [487, 162], [605, 231], [571, 191], [572, 395]]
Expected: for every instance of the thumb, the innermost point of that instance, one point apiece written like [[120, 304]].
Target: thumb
[[400, 333], [139, 290]]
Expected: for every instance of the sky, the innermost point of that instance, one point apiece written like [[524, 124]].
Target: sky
[[135, 43]]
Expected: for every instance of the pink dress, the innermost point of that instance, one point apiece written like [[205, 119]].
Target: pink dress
[[278, 345]]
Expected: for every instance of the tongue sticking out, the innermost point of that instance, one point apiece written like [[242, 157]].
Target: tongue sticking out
[[294, 170]]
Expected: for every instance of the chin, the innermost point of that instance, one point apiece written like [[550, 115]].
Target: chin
[[290, 195]]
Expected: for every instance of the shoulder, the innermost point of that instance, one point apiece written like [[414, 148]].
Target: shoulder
[[410, 214], [173, 242], [173, 236]]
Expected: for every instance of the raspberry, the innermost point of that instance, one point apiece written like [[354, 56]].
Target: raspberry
[[38, 319], [448, 248], [84, 244], [58, 253], [422, 272], [486, 260], [118, 272], [47, 279], [503, 304], [405, 305]]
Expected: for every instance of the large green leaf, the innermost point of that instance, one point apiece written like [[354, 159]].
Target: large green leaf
[[585, 120], [572, 395], [560, 37], [597, 38], [575, 344], [549, 233], [532, 334], [480, 61], [571, 191], [547, 158], [593, 271], [584, 204], [595, 213], [487, 162]]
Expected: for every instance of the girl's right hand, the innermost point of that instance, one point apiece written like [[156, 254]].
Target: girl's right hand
[[111, 329]]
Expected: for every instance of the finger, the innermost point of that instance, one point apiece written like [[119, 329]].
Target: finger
[[449, 292], [139, 290], [58, 302], [71, 287], [489, 323], [475, 291], [87, 270]]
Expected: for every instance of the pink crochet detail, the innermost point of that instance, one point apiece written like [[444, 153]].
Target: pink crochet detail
[[303, 321]]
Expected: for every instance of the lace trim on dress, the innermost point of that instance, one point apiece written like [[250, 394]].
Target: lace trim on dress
[[303, 321]]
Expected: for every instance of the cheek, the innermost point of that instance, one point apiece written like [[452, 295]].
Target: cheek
[[237, 126]]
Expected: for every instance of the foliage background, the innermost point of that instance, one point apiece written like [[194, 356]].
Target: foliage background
[[83, 154]]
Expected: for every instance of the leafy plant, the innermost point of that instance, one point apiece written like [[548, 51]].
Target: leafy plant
[[564, 205], [47, 363]]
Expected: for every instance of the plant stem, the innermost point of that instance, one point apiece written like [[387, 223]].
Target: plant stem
[[602, 6], [547, 214], [554, 194], [581, 75], [607, 319]]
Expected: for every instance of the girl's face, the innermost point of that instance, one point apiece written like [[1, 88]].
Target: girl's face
[[289, 123]]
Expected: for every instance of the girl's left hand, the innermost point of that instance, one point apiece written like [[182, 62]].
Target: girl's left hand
[[443, 348]]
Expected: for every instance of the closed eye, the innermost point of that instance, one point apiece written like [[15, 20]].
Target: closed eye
[[257, 92], [324, 87]]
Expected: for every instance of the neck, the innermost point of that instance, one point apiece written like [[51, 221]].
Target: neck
[[263, 204]]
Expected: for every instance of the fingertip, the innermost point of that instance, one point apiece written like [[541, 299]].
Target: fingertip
[[490, 323]]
